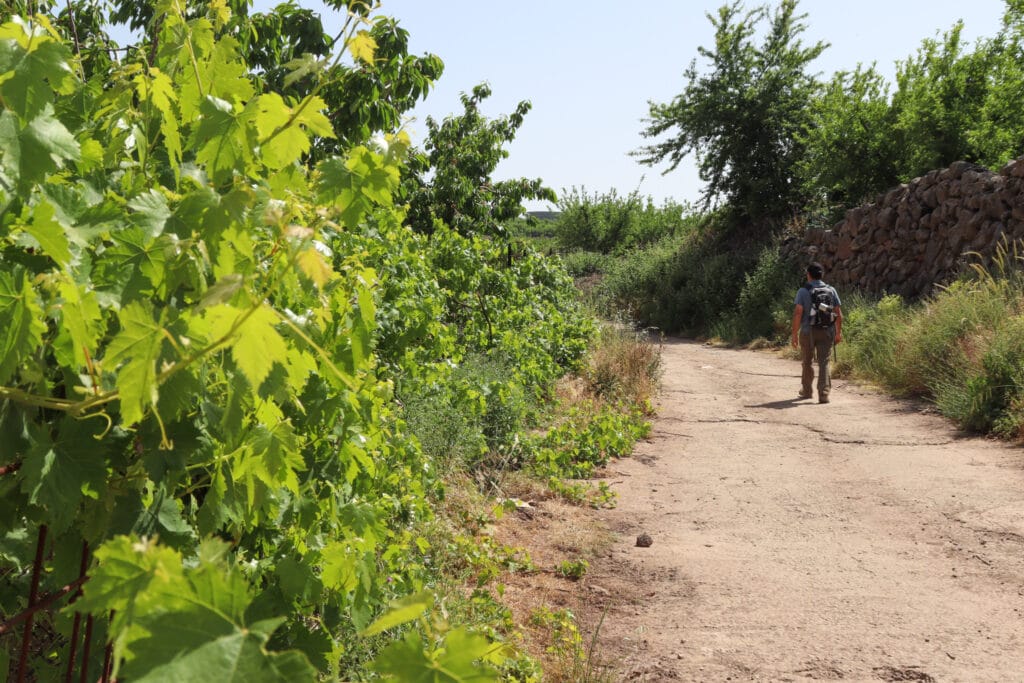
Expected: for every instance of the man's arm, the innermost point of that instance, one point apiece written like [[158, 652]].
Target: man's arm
[[839, 324], [798, 313]]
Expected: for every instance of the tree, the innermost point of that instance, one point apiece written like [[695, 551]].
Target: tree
[[461, 154], [848, 150], [999, 135], [286, 51], [937, 103], [742, 118]]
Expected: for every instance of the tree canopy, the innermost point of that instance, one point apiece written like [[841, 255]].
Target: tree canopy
[[742, 116]]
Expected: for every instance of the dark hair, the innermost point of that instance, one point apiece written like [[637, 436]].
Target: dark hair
[[815, 270]]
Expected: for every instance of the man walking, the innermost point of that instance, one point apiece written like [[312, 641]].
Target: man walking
[[817, 326]]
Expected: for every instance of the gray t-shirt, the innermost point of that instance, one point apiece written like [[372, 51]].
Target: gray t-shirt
[[803, 298]]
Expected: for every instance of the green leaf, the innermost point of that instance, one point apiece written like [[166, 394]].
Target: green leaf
[[184, 624], [302, 66], [461, 658], [340, 566], [151, 212], [157, 88], [400, 612], [31, 68], [137, 346], [54, 144], [48, 231], [221, 292], [40, 148], [258, 345], [225, 140], [57, 475], [239, 657], [289, 141], [21, 321], [125, 568], [286, 131], [135, 265], [407, 661]]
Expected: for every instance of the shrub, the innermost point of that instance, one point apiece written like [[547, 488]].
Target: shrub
[[764, 306], [608, 223], [584, 263]]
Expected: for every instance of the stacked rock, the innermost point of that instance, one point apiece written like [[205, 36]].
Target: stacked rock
[[922, 233]]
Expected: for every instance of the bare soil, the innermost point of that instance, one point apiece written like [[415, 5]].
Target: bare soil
[[867, 539]]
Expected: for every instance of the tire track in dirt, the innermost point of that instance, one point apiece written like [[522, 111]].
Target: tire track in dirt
[[865, 539]]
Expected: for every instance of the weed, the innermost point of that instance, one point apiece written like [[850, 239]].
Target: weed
[[597, 496], [573, 569]]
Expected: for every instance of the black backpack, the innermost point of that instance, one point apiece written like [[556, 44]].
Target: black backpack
[[823, 305]]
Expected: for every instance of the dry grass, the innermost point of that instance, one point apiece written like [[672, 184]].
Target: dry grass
[[624, 366]]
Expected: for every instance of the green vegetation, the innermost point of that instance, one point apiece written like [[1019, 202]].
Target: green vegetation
[[241, 388], [962, 348], [743, 119], [573, 569], [261, 361]]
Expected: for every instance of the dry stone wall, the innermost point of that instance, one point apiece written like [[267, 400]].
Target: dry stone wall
[[921, 233]]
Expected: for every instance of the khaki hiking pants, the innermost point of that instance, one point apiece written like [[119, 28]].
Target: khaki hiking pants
[[817, 342]]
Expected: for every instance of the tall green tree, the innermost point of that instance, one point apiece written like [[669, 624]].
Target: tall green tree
[[999, 134], [937, 103], [742, 117], [452, 180], [848, 149]]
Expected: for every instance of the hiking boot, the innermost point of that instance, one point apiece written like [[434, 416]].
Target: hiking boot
[[804, 394], [823, 398]]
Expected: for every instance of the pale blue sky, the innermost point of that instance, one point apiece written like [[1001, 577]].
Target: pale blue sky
[[590, 66]]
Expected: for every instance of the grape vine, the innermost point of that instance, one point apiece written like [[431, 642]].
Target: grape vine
[[206, 322]]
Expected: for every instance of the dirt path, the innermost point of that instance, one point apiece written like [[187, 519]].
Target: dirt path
[[860, 540]]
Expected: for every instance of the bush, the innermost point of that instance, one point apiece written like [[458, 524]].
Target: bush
[[994, 400], [765, 304], [584, 263], [610, 224], [682, 283], [623, 366], [871, 337]]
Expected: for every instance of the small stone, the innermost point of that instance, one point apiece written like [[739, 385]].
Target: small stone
[[644, 541]]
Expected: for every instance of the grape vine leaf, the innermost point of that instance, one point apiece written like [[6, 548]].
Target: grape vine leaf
[[158, 88], [150, 212], [463, 657], [48, 231], [58, 474], [285, 130], [32, 67], [137, 345], [21, 321], [40, 148], [225, 140], [258, 346], [81, 324], [177, 623], [363, 47], [399, 612]]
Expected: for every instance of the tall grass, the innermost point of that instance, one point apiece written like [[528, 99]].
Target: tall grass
[[962, 348]]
